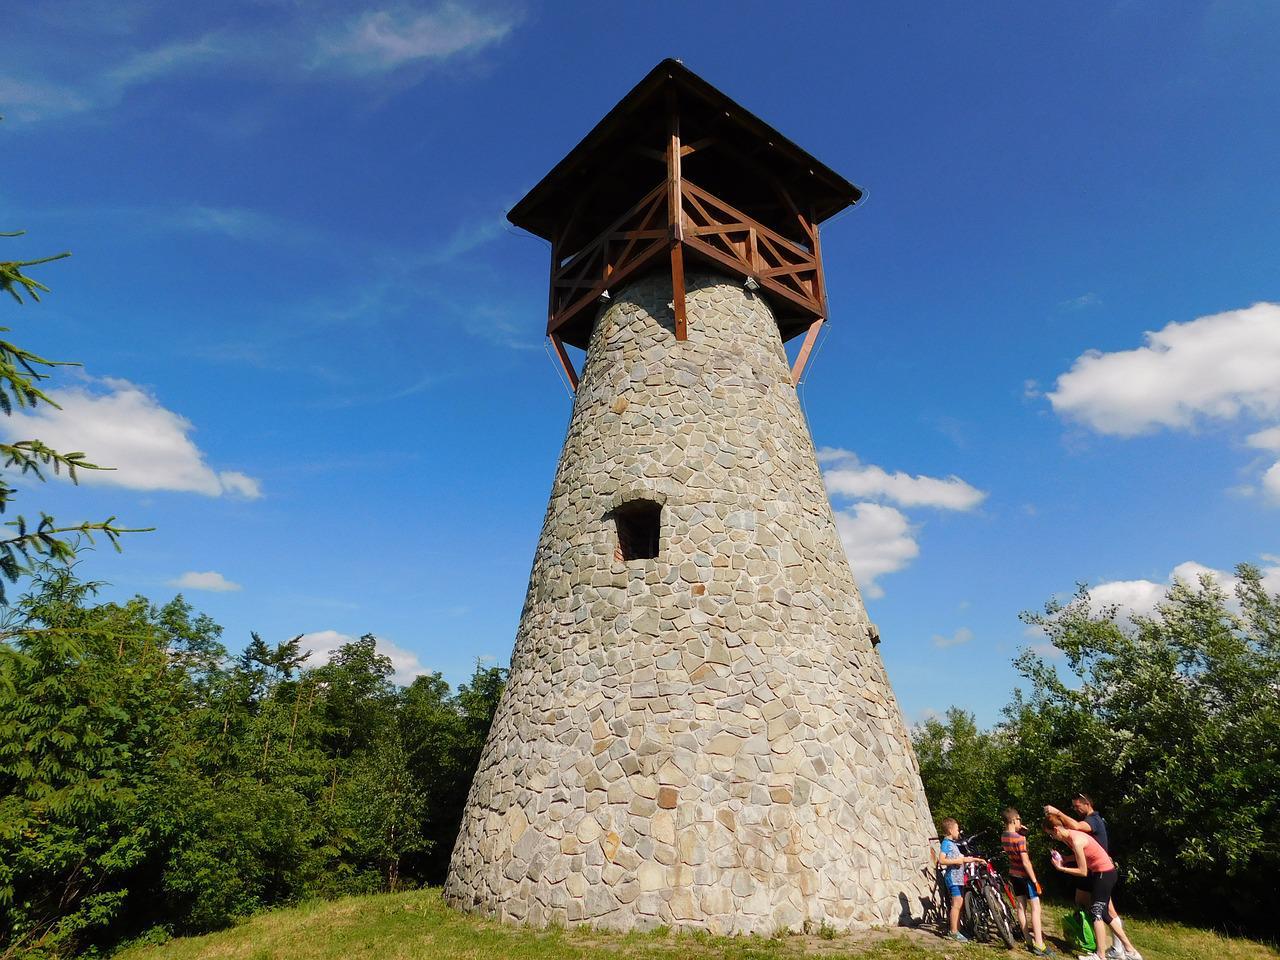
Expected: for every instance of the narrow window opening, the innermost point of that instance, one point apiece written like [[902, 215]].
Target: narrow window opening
[[639, 524]]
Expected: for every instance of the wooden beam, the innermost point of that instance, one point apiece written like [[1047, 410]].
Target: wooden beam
[[738, 266], [677, 290], [806, 349], [675, 215], [565, 361], [620, 274], [820, 277]]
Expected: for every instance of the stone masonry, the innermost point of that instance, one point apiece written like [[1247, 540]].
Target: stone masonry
[[707, 739]]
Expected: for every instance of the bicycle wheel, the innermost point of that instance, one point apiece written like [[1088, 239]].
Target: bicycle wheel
[[998, 911], [974, 915]]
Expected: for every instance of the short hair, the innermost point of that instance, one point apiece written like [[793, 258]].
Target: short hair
[[1011, 814], [1085, 797], [948, 823]]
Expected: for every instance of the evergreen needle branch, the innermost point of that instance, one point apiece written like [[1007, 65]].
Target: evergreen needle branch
[[15, 281]]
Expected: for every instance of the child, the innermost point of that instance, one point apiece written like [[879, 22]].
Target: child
[[1093, 864], [953, 860], [1023, 874]]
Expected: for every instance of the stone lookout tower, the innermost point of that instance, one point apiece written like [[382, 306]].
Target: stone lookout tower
[[698, 730]]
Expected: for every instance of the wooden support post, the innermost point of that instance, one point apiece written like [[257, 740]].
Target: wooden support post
[[565, 361], [677, 290], [806, 348], [675, 217]]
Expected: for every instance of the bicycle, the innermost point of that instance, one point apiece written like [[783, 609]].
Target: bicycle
[[987, 906]]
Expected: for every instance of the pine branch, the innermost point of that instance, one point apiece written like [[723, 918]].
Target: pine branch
[[13, 280]]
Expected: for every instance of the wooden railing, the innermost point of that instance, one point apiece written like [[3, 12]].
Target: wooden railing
[[730, 237], [679, 218]]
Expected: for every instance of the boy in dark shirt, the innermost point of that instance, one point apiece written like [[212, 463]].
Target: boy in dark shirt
[[1023, 874]]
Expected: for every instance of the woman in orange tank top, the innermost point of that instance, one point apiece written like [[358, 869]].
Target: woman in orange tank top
[[1093, 863]]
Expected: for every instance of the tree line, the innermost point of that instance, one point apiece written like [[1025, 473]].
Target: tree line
[[1171, 722], [152, 784]]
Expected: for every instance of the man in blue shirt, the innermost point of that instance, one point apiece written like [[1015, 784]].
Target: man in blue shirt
[[1091, 822], [953, 860]]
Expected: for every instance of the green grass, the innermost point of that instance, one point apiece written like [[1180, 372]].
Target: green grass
[[418, 926]]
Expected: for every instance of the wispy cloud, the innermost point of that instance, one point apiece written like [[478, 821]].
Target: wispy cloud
[[30, 100], [296, 45], [1082, 302], [123, 426], [962, 635], [209, 580], [382, 40]]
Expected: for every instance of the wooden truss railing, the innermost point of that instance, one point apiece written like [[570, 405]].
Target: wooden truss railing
[[676, 217], [731, 238], [629, 243]]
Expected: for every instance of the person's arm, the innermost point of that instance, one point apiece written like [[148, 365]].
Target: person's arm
[[956, 861], [1080, 869], [1055, 814], [1030, 870]]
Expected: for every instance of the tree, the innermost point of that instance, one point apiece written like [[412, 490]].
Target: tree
[[960, 766], [21, 373], [91, 708], [1172, 721]]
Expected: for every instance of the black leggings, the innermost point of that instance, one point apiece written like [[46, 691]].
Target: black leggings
[[1100, 887]]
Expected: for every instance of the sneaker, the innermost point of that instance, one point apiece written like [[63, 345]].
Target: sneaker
[[958, 937], [1132, 955], [1088, 956], [1039, 951], [1115, 952]]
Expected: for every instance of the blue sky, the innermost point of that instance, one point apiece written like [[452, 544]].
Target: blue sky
[[313, 346]]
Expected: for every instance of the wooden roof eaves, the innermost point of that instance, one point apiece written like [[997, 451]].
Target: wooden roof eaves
[[525, 213]]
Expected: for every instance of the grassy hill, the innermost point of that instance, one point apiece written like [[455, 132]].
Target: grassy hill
[[418, 926]]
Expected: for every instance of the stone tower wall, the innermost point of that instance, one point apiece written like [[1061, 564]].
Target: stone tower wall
[[707, 739]]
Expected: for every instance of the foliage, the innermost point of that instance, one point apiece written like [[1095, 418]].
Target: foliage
[[21, 373], [150, 784], [1171, 722]]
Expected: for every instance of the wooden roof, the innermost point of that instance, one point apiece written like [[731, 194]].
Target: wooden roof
[[611, 165]]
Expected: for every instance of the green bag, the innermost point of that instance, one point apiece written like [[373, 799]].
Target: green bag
[[1077, 930]]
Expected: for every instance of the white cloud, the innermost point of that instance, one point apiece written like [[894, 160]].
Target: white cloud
[[962, 635], [385, 39], [1268, 439], [119, 424], [877, 540], [1218, 367], [1271, 482], [852, 478], [322, 645], [209, 580], [1140, 597]]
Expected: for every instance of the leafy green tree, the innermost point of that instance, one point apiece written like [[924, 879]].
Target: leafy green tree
[[444, 736], [89, 709], [960, 766], [1172, 721]]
